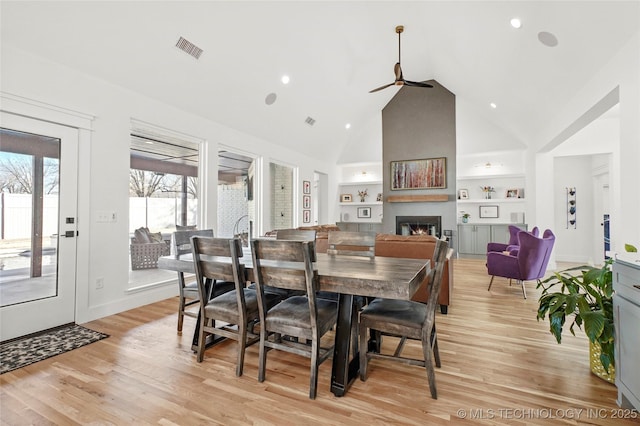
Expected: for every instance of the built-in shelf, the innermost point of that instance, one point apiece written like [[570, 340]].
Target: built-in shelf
[[417, 198], [491, 200], [486, 177], [368, 182], [355, 203]]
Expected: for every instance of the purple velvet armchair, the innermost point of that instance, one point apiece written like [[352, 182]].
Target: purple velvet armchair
[[513, 240], [528, 263]]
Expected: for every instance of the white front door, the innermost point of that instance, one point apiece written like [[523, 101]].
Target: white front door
[[38, 231]]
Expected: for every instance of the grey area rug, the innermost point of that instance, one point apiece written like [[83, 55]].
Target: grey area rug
[[22, 352]]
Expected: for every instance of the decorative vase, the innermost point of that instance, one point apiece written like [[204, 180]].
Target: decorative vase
[[465, 219], [596, 365], [488, 195]]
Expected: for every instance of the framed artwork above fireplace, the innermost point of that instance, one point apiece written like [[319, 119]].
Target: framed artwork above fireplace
[[429, 173]]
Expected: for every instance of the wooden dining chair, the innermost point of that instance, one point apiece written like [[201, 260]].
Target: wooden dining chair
[[188, 292], [289, 265], [352, 243], [406, 319], [217, 261]]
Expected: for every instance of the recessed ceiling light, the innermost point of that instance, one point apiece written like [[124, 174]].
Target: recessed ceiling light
[[493, 105], [347, 126], [516, 23], [285, 79]]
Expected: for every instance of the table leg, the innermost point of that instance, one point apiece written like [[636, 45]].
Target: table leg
[[344, 371]]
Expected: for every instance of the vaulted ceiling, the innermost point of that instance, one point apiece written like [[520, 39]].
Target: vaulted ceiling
[[334, 53]]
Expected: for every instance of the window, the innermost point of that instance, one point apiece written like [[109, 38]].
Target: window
[[163, 190]]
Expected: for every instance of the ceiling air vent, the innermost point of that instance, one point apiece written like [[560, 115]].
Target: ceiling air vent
[[186, 46], [310, 121]]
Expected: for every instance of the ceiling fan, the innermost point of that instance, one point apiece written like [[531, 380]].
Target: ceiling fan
[[400, 81]]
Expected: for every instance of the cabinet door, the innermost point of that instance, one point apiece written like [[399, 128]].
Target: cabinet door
[[500, 234], [466, 239], [627, 318], [370, 227], [483, 237]]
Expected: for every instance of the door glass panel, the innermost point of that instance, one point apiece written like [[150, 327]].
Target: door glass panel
[[29, 196]]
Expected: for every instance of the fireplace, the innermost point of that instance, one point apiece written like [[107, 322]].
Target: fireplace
[[419, 225]]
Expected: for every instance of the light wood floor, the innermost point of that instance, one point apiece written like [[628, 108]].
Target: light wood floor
[[498, 362]]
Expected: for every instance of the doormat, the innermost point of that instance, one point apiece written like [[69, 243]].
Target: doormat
[[22, 352]]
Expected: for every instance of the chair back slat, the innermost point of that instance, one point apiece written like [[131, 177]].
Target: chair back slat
[[296, 234], [290, 279], [352, 243], [282, 250], [284, 264], [181, 240]]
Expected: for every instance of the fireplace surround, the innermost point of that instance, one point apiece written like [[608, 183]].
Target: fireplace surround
[[419, 225]]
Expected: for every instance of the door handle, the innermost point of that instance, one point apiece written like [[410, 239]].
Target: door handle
[[70, 234]]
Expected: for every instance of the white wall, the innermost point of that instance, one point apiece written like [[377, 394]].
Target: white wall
[[106, 179], [573, 244], [623, 73]]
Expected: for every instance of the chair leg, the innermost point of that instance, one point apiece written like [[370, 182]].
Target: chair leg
[[524, 291], [181, 302], [364, 347], [491, 282], [434, 346], [313, 380], [263, 354], [242, 343], [428, 364], [201, 341]]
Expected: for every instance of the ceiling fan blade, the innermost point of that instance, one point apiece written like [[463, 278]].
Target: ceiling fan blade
[[381, 87], [417, 84]]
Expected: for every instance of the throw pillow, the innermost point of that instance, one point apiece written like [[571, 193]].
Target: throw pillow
[[141, 235], [155, 237]]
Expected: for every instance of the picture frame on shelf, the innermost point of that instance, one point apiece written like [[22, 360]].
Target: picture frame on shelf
[[489, 212], [463, 194], [428, 173], [306, 187], [364, 212], [346, 198], [306, 216], [306, 201], [513, 193]]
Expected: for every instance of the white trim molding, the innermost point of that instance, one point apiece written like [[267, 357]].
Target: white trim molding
[[32, 108]]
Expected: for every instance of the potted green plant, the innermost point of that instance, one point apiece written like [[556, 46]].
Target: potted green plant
[[586, 297], [465, 217]]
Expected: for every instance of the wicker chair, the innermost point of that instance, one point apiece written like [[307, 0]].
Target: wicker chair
[[146, 247]]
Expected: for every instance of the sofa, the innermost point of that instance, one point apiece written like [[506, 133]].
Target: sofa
[[322, 235], [418, 247]]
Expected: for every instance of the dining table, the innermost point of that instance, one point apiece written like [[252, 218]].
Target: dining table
[[349, 277]]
